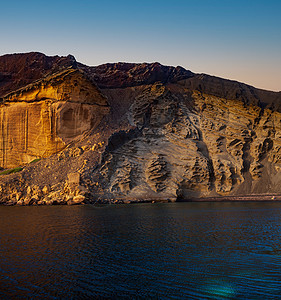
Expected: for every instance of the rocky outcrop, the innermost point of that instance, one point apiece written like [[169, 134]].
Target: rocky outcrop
[[156, 174], [120, 75], [43, 117], [147, 132], [18, 70]]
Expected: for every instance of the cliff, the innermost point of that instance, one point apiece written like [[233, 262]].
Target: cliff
[[41, 118], [133, 132], [192, 144]]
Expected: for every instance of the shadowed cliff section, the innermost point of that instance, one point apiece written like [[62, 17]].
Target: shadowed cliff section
[[120, 75], [200, 135], [18, 70], [233, 90]]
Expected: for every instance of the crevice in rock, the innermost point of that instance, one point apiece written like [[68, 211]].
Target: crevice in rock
[[267, 145], [118, 139], [246, 156]]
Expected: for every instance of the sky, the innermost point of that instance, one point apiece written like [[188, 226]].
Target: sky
[[239, 40]]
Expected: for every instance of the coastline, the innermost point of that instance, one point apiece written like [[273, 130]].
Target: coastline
[[238, 198]]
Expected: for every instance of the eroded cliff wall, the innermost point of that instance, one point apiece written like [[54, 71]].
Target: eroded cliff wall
[[42, 118], [191, 144]]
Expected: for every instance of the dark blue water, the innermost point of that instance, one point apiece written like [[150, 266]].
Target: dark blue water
[[180, 250]]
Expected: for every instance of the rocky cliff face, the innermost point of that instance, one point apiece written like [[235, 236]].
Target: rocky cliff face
[[148, 132], [191, 144], [41, 118]]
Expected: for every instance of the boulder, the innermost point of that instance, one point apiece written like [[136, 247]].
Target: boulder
[[74, 178]]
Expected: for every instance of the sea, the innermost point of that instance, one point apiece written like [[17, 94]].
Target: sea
[[192, 250]]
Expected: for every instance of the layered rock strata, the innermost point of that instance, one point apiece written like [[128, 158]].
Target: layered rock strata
[[42, 118]]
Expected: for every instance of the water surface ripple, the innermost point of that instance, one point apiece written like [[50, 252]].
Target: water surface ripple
[[174, 251]]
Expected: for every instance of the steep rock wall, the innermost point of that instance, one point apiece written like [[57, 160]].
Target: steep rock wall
[[193, 144], [42, 118]]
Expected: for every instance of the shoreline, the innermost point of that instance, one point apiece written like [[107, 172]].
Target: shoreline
[[240, 198]]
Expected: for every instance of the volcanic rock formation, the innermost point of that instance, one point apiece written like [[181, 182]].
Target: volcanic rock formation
[[132, 132]]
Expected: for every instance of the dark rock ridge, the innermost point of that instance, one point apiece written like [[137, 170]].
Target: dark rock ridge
[[18, 70], [120, 75], [132, 132]]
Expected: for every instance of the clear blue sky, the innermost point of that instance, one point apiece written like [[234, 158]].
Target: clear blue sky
[[239, 40]]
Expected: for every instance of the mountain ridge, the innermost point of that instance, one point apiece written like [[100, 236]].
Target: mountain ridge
[[52, 63]]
